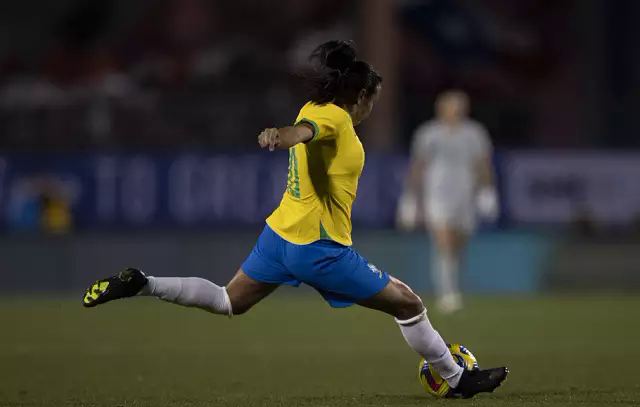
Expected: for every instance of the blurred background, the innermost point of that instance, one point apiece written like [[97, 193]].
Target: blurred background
[[128, 133]]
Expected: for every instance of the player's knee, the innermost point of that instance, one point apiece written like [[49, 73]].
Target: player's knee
[[239, 307], [238, 303], [410, 304], [411, 307]]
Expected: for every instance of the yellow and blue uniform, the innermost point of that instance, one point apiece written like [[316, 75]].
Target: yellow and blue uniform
[[308, 236], [322, 181]]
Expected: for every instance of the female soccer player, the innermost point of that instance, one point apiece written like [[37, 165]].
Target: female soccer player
[[450, 179], [307, 239]]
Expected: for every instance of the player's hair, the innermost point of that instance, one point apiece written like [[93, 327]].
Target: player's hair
[[339, 76]]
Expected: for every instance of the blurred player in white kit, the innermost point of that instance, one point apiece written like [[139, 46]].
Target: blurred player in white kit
[[451, 180]]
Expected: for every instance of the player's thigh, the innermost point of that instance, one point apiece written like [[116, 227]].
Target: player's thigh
[[395, 299], [244, 292], [339, 273]]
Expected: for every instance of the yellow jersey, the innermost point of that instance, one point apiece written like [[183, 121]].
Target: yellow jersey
[[322, 180]]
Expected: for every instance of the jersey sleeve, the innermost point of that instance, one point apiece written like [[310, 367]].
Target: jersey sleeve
[[422, 144], [325, 123]]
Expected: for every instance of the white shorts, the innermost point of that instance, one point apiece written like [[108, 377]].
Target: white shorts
[[459, 214]]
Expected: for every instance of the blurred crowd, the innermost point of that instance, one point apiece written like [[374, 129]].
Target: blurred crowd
[[198, 73], [159, 73]]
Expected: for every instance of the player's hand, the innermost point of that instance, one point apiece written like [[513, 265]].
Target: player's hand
[[407, 213], [269, 138], [487, 204]]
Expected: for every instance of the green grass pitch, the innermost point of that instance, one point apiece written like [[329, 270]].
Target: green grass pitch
[[293, 350]]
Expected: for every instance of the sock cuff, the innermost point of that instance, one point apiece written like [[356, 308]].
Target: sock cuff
[[414, 320], [453, 377], [149, 288]]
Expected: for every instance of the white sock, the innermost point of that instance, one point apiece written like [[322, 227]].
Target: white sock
[[446, 275], [190, 292], [425, 340]]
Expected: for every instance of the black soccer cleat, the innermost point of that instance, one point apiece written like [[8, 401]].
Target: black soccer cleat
[[124, 284], [477, 381]]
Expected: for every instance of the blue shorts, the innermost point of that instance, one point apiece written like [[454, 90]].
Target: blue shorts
[[337, 272]]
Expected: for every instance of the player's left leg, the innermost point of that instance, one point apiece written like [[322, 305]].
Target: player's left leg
[[343, 277], [450, 242], [398, 300]]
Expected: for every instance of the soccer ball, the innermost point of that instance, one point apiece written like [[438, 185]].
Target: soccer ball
[[436, 385]]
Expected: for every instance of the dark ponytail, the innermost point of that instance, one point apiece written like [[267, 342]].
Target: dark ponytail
[[339, 76]]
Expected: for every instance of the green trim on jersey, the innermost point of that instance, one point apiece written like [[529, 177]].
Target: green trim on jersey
[[293, 180], [323, 233], [316, 129]]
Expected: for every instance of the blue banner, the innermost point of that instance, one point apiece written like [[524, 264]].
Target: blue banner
[[128, 190]]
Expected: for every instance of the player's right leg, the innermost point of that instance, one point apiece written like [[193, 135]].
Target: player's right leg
[[261, 273], [449, 244], [398, 300], [451, 219], [236, 298]]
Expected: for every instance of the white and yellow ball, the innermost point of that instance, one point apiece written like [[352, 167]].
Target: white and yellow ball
[[436, 385]]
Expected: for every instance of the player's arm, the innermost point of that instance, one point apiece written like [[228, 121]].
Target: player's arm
[[417, 168], [487, 196], [285, 137], [410, 206], [421, 150]]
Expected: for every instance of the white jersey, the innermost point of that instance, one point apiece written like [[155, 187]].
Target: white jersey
[[451, 155]]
